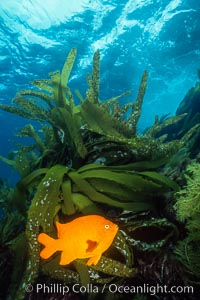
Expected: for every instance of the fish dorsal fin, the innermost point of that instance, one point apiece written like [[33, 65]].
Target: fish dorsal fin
[[91, 245], [60, 229]]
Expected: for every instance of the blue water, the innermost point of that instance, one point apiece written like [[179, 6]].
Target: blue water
[[161, 36]]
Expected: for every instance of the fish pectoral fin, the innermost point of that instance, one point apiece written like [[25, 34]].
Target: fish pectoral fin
[[65, 259], [94, 260], [91, 245]]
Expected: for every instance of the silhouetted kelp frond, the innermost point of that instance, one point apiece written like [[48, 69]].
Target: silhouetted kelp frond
[[158, 126]]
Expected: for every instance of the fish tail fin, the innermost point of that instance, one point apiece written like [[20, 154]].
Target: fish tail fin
[[51, 245]]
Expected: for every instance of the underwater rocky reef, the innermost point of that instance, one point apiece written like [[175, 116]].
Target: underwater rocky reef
[[88, 158]]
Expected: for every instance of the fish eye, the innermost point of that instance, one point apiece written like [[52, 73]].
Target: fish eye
[[107, 226]]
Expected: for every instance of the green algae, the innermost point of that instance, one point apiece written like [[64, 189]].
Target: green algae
[[187, 208]]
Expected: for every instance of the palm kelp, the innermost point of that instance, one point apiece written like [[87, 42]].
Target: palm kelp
[[88, 159], [79, 132]]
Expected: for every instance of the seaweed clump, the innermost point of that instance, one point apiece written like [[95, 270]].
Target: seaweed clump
[[188, 211], [87, 158], [12, 224]]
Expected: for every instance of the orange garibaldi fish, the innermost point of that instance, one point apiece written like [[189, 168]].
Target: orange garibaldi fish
[[84, 237]]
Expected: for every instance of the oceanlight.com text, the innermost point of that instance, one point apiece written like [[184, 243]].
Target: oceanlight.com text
[[59, 288]]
